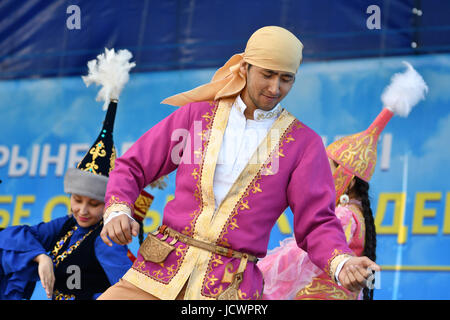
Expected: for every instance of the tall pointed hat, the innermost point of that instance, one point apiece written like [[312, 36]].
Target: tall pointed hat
[[356, 155], [90, 177]]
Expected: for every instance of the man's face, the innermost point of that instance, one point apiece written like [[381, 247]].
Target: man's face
[[265, 88]]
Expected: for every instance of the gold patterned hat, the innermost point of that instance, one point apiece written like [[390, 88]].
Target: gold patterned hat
[[356, 155], [90, 176]]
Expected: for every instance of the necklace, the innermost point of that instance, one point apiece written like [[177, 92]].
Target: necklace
[[59, 258]]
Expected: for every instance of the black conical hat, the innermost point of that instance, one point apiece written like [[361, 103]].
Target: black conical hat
[[102, 154], [90, 177]]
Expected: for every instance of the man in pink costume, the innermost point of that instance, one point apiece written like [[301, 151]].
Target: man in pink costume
[[241, 160]]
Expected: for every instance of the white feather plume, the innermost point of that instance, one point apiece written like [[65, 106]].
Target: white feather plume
[[404, 92], [111, 71]]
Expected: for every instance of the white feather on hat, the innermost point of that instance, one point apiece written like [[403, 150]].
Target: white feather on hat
[[110, 70]]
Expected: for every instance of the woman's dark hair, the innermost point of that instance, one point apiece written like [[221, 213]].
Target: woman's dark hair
[[361, 190], [141, 231]]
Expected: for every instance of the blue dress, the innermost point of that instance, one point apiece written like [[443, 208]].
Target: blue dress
[[19, 245]]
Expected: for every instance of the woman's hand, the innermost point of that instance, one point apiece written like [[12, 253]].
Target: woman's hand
[[46, 274]]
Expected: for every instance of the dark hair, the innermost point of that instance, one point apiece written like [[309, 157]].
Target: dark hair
[[361, 189], [141, 231]]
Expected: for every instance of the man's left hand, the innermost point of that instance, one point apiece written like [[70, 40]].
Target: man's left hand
[[354, 273]]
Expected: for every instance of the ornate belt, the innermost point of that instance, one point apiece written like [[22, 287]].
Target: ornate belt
[[227, 252]]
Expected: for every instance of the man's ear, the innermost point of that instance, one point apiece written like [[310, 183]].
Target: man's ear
[[243, 68]]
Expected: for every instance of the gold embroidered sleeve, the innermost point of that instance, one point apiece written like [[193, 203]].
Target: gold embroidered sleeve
[[335, 263], [116, 205]]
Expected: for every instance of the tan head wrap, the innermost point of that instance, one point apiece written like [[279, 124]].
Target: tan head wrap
[[272, 48]]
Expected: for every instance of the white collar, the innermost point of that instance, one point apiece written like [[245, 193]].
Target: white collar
[[258, 114]]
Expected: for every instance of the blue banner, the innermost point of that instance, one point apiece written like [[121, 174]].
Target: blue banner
[[41, 38], [47, 125]]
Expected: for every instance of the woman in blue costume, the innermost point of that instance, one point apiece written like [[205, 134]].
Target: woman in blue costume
[[66, 254]]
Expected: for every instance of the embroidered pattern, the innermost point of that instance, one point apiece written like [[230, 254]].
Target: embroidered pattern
[[261, 115], [324, 289], [59, 258], [243, 295], [356, 153], [97, 151], [210, 280], [61, 296], [336, 257], [142, 204], [114, 204], [243, 206], [112, 160], [165, 273], [197, 172], [358, 240]]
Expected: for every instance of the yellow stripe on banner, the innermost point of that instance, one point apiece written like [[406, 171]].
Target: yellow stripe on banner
[[415, 268]]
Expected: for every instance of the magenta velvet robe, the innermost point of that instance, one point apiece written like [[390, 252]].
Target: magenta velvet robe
[[290, 168]]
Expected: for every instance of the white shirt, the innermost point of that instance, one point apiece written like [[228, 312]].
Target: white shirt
[[241, 139]]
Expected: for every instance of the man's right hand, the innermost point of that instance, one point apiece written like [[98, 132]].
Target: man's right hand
[[119, 229]]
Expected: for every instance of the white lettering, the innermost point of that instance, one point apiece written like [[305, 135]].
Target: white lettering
[[374, 20], [17, 165], [198, 310], [244, 309], [73, 21], [34, 159], [179, 153], [74, 280], [74, 156], [386, 151], [58, 160], [4, 151], [37, 158]]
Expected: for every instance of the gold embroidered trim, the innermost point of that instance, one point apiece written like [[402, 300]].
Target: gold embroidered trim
[[172, 270], [324, 289], [97, 151], [59, 258], [359, 154], [335, 262], [197, 172], [61, 296], [115, 204], [360, 217], [267, 114], [112, 160]]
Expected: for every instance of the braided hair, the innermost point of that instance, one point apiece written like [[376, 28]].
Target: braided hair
[[141, 232], [361, 190]]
